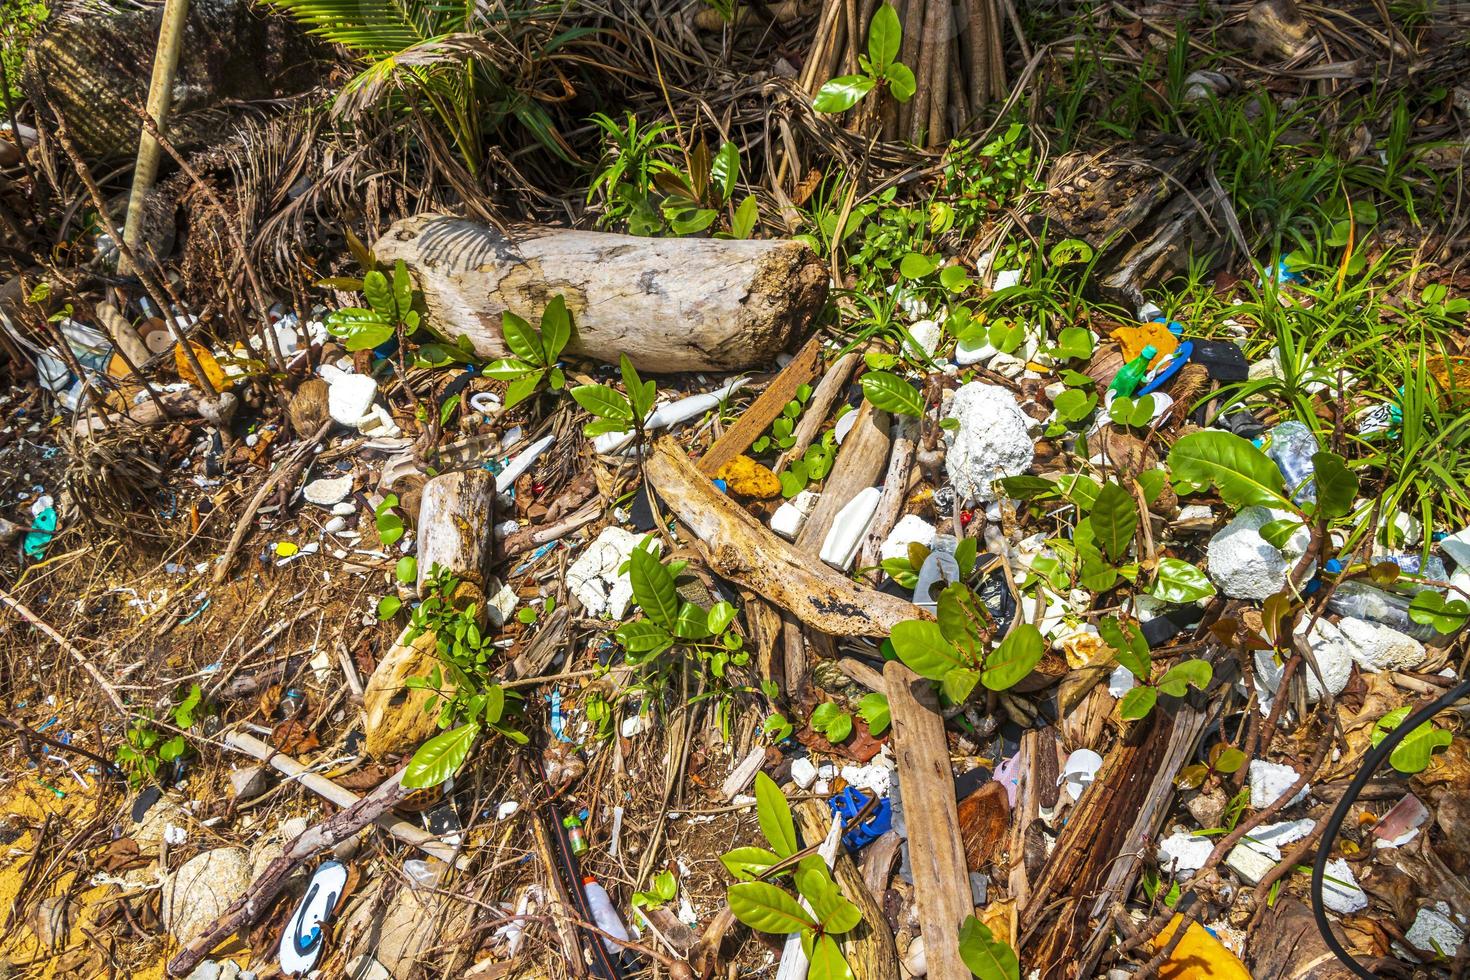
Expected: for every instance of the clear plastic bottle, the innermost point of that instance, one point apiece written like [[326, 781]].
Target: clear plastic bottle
[[1291, 448], [1364, 601], [605, 914]]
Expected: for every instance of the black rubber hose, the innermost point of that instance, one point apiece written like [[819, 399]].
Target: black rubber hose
[[1371, 762]]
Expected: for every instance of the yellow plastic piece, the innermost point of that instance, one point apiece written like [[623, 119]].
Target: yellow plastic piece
[[1199, 956], [746, 478]]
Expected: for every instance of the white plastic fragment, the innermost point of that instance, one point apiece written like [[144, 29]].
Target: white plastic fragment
[[349, 397], [803, 772], [844, 426], [507, 477], [848, 528], [792, 514], [1243, 564], [1269, 780], [1340, 891], [992, 440], [1079, 771], [669, 414], [594, 579], [911, 529], [500, 605], [1121, 681]]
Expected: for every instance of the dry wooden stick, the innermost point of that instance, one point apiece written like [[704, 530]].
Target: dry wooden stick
[[870, 949], [82, 659], [818, 407], [248, 908], [764, 410], [895, 490], [284, 473]]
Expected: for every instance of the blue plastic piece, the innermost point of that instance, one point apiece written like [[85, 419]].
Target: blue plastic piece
[[1332, 566], [722, 486], [848, 804], [1164, 372]]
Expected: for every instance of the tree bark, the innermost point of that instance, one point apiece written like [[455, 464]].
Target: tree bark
[[670, 304]]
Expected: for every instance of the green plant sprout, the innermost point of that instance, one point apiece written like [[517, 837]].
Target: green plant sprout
[[615, 411], [535, 352], [879, 68], [144, 748], [955, 649]]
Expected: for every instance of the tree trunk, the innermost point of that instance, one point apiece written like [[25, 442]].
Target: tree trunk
[[670, 304]]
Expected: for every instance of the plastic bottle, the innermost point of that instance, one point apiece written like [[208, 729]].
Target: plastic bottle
[[1364, 601], [576, 839], [605, 914], [1131, 376], [1291, 448]]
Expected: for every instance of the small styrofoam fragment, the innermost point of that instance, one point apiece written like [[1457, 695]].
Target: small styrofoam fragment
[[791, 515], [1269, 780], [1375, 647], [911, 529], [803, 772], [992, 440], [925, 334], [1434, 931], [328, 491], [1340, 891], [1243, 564], [1185, 852], [968, 354]]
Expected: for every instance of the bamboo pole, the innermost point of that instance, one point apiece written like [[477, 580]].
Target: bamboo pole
[[160, 92]]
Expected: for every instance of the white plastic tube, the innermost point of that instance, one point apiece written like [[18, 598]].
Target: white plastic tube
[[670, 414]]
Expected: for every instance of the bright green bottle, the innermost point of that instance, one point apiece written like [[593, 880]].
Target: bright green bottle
[[1131, 376]]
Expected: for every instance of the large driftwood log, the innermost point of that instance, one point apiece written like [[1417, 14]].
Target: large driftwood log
[[670, 304], [456, 519]]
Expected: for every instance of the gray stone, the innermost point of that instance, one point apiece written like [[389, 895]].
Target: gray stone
[[202, 889]]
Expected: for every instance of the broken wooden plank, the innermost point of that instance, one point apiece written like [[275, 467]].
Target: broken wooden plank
[[765, 409], [860, 462], [744, 551], [936, 853], [455, 525]]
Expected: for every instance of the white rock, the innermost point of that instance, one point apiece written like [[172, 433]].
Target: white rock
[[1334, 659], [1185, 852], [848, 527], [1269, 780], [803, 772], [911, 529], [926, 334], [1434, 931], [915, 960], [594, 579], [329, 491], [1340, 891], [1243, 564], [992, 441], [1249, 864], [202, 889], [350, 397], [1375, 647], [968, 354], [335, 524], [346, 509], [792, 514], [499, 606], [1006, 278]]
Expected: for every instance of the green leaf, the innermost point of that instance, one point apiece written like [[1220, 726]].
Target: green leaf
[[1337, 486], [172, 749], [961, 619], [603, 402], [1415, 751], [1025, 488], [921, 645], [440, 757], [891, 393], [407, 569], [842, 93], [1075, 342], [640, 393], [1429, 608], [1179, 581], [1075, 404], [643, 637], [606, 425], [1152, 482], [1128, 645], [1243, 475], [1229, 760], [556, 329], [1015, 658], [742, 223], [521, 339], [834, 912], [987, 957], [721, 614], [521, 388], [508, 369], [885, 34], [388, 606], [1278, 532], [774, 814], [692, 622], [1138, 702], [954, 279], [958, 683], [766, 908], [1187, 672], [379, 294], [402, 287], [917, 265], [901, 82], [747, 863], [965, 554], [1069, 251], [873, 708], [826, 962], [494, 703], [832, 722], [653, 588], [1114, 520], [725, 168]]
